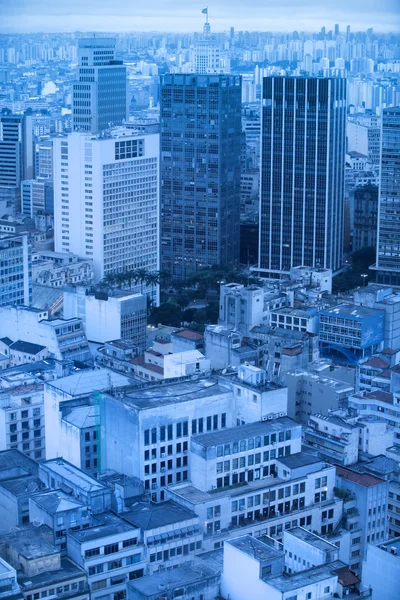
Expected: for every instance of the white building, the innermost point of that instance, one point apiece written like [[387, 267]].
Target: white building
[[381, 569], [122, 316], [106, 200], [63, 425], [254, 569], [22, 425], [64, 338], [160, 362]]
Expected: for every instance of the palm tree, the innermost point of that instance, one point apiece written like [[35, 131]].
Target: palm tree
[[152, 279], [109, 279], [141, 275]]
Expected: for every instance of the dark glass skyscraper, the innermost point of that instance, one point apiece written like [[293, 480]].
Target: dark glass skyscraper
[[99, 96], [388, 242], [302, 173], [200, 171]]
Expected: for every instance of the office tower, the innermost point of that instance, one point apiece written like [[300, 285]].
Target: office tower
[[207, 54], [44, 156], [388, 241], [200, 171], [37, 196], [302, 173], [337, 32], [106, 200], [15, 270], [366, 201], [348, 33], [99, 98], [16, 159]]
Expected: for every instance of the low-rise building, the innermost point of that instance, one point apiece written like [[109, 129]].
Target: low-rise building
[[295, 319], [312, 393], [106, 317], [184, 582], [110, 553], [64, 338], [350, 332], [9, 587], [172, 534], [381, 569]]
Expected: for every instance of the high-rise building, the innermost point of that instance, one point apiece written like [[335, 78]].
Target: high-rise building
[[106, 200], [200, 171], [37, 196], [99, 97], [15, 270], [207, 52], [388, 239], [16, 159], [44, 159], [302, 173]]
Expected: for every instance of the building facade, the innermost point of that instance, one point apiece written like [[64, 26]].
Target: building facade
[[200, 171], [302, 173], [107, 200], [99, 97], [388, 243], [15, 270]]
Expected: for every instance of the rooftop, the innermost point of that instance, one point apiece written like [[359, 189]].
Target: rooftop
[[27, 347], [393, 543], [189, 335], [109, 525], [154, 396], [286, 583], [301, 459], [82, 417], [56, 502], [29, 543], [72, 475], [183, 576], [235, 434], [89, 380], [362, 479], [152, 516], [67, 571], [312, 539], [255, 548], [352, 310]]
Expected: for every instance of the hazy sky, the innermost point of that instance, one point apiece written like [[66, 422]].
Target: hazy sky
[[185, 15]]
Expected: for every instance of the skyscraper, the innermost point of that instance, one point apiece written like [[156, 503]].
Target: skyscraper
[[16, 159], [15, 270], [99, 98], [200, 171], [207, 52], [106, 200], [388, 242], [302, 173]]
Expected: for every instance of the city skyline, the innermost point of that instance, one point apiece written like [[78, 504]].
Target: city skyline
[[46, 16]]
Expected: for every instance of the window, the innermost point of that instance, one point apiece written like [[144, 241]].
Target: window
[[115, 564], [92, 552], [130, 542], [110, 549], [327, 589]]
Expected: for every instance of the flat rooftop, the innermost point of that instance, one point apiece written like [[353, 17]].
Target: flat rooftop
[[352, 310], [89, 380], [82, 417], [152, 516], [312, 539], [254, 547], [359, 478], [235, 434], [286, 583], [109, 525], [56, 501], [29, 543], [72, 475], [68, 570], [393, 543], [183, 576], [173, 393], [300, 459]]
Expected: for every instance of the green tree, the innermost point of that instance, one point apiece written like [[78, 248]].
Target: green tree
[[167, 314]]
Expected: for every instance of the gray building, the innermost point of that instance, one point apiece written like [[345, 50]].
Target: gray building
[[16, 159], [200, 171], [37, 196], [302, 173], [388, 244], [99, 97], [365, 216], [15, 270]]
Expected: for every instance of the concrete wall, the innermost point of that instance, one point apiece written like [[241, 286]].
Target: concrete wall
[[381, 571]]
